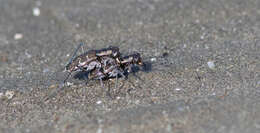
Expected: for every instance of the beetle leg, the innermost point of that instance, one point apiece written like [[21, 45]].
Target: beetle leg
[[116, 81], [101, 82], [129, 68]]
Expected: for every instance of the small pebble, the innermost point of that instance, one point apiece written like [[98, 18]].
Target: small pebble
[[9, 94], [99, 25], [153, 59], [211, 64], [18, 36], [169, 128], [77, 25], [69, 83], [36, 11], [202, 37], [99, 130], [137, 101], [45, 70], [177, 89], [1, 95], [118, 98], [53, 86], [99, 102], [181, 108], [28, 55], [184, 45]]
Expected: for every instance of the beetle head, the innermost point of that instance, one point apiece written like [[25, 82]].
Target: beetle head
[[72, 66], [137, 59]]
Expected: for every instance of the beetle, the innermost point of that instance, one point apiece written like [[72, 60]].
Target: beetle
[[129, 61], [114, 67], [102, 64], [88, 60]]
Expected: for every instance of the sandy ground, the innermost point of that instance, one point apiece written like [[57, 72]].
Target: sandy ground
[[201, 75]]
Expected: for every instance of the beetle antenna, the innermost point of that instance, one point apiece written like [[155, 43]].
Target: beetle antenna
[[61, 85], [75, 52], [71, 59]]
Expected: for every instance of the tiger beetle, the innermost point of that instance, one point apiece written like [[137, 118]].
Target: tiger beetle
[[102, 64]]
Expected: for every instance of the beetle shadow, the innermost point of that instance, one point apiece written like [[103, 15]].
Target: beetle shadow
[[147, 67], [81, 75]]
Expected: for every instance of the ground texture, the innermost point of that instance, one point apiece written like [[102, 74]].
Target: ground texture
[[201, 76]]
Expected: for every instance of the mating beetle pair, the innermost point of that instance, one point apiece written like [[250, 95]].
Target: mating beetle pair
[[104, 63], [101, 64]]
